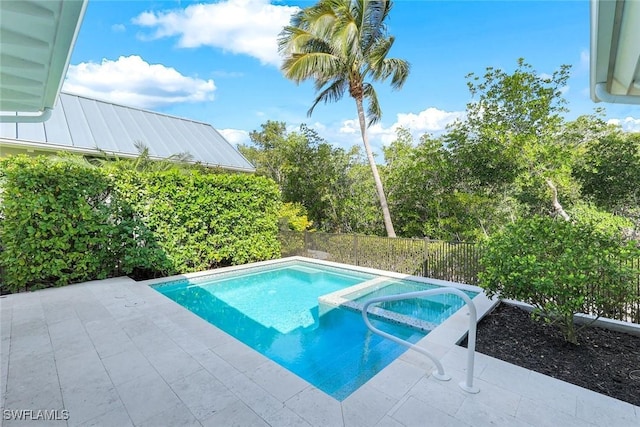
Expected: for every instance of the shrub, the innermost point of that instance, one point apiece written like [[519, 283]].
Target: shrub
[[64, 221], [203, 221], [561, 268]]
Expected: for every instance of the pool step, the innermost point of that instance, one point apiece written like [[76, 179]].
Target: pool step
[[339, 299]]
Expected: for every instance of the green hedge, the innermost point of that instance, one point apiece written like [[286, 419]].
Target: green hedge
[[207, 220], [63, 222]]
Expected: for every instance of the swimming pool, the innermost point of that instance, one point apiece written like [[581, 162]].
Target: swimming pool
[[274, 309]]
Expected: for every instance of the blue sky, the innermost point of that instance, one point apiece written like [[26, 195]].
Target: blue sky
[[217, 62]]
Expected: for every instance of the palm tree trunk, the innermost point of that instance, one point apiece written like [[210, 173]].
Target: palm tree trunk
[[388, 225]]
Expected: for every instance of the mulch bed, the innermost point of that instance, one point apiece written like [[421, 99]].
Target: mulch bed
[[604, 361]]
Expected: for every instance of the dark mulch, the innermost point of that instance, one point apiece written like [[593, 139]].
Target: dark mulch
[[604, 361]]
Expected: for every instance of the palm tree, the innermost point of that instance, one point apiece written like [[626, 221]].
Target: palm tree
[[343, 44]]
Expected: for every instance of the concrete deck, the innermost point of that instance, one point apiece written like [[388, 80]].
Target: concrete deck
[[117, 353]]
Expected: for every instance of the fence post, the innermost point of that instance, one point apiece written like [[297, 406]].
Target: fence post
[[355, 249], [425, 255]]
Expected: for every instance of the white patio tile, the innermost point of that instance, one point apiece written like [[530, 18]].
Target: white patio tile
[[285, 417], [116, 417], [478, 414], [108, 339], [541, 388], [281, 383], [81, 369], [414, 413], [387, 421], [366, 407], [126, 366], [235, 415], [217, 366], [172, 363], [147, 396], [539, 415], [34, 396], [89, 400], [317, 408], [69, 338], [203, 394], [601, 410], [177, 415], [505, 375], [397, 379], [239, 355], [255, 397], [438, 394]]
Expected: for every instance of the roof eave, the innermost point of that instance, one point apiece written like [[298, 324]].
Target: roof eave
[[615, 52], [33, 103]]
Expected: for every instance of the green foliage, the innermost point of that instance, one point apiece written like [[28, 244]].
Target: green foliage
[[293, 216], [601, 221], [508, 145], [64, 221], [418, 181], [270, 150], [560, 268], [610, 171], [203, 221], [334, 186]]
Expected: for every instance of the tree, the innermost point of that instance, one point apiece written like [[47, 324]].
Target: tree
[[269, 151], [609, 172], [418, 182], [343, 45], [328, 182], [510, 142]]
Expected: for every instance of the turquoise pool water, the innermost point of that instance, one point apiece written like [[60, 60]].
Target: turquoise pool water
[[434, 309], [275, 311]]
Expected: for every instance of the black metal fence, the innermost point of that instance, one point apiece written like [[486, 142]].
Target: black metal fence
[[456, 262]]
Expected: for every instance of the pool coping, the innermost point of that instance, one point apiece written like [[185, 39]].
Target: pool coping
[[438, 341]]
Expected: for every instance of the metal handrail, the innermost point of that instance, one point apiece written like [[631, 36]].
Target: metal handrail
[[439, 372]]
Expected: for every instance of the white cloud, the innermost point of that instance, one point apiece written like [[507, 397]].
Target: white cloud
[[349, 126], [132, 81], [628, 124], [235, 136], [431, 120], [118, 28], [249, 27]]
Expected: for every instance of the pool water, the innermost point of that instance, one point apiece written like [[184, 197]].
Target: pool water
[[434, 309], [274, 310]]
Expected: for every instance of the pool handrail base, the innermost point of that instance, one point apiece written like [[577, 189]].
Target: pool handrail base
[[439, 373]]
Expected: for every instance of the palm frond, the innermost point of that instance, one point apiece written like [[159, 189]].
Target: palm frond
[[374, 112], [334, 92], [302, 66], [340, 44], [399, 70]]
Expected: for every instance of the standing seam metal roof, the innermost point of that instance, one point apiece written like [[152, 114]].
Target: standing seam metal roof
[[89, 125]]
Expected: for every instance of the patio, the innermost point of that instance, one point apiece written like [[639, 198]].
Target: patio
[[117, 353]]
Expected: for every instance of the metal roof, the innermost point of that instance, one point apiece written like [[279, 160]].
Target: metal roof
[[36, 40], [615, 51], [89, 126]]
